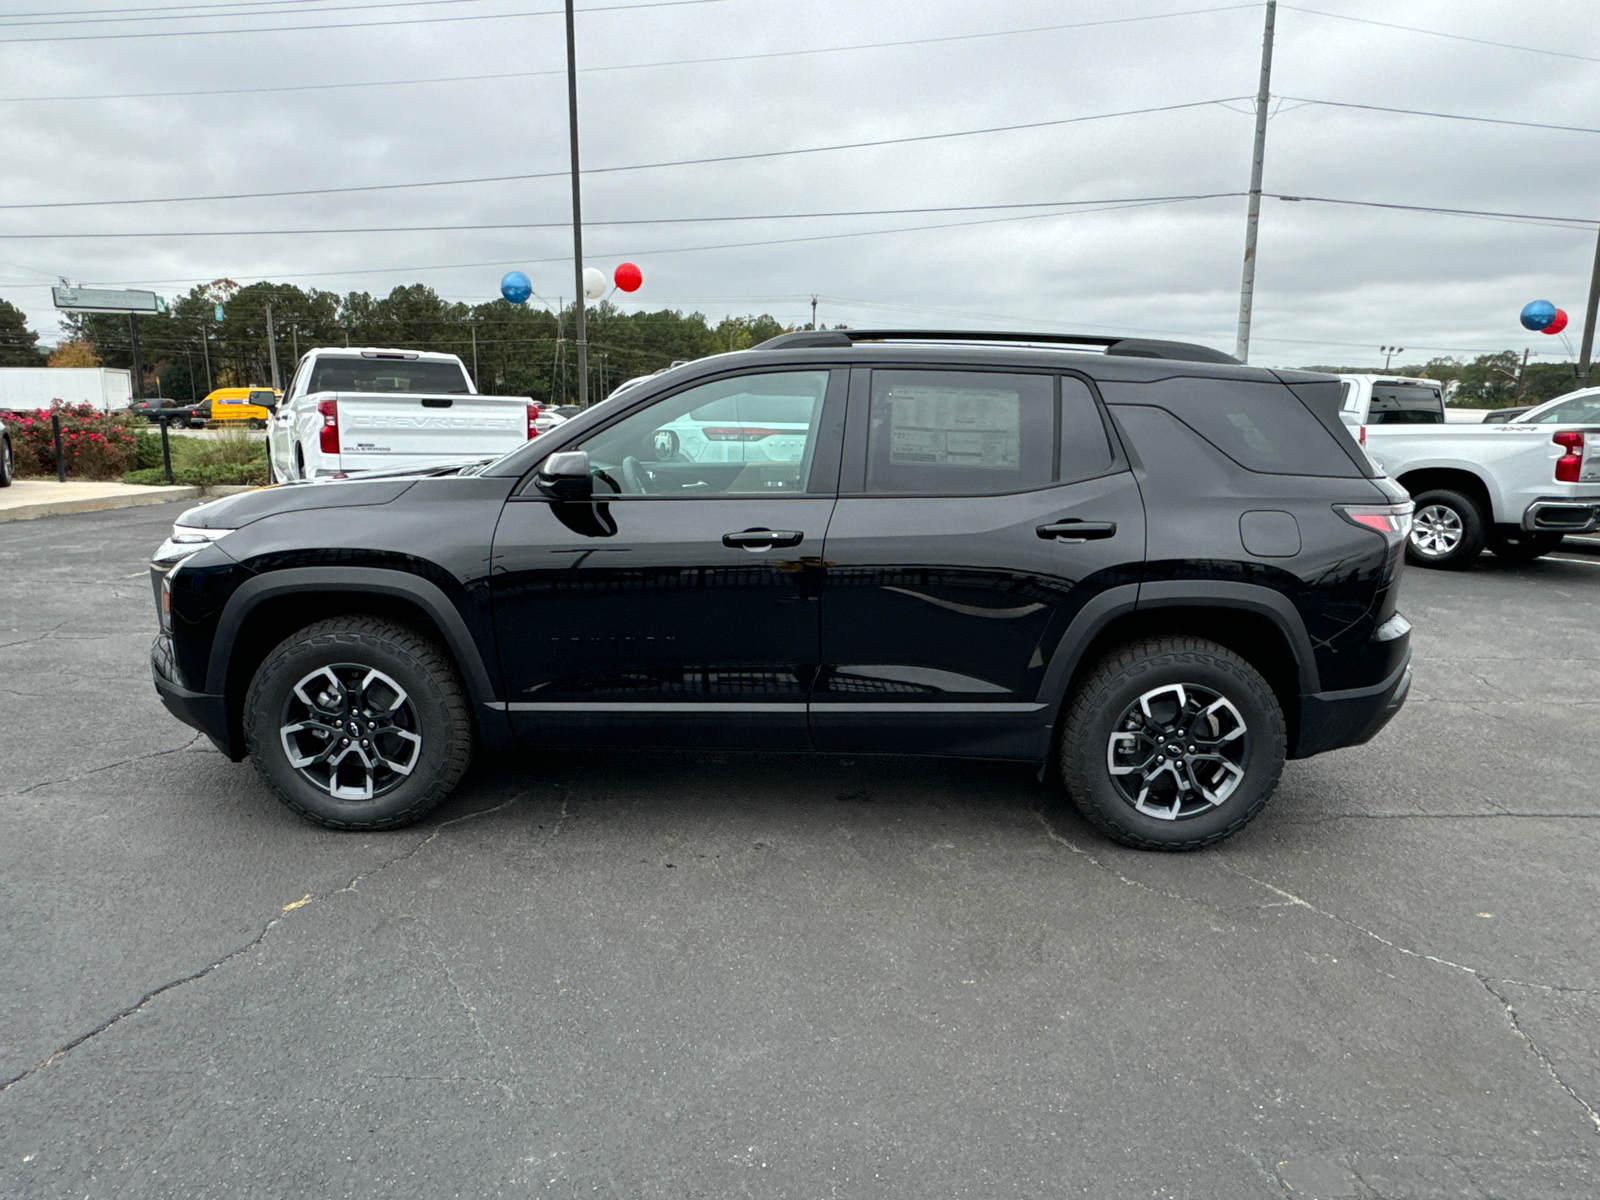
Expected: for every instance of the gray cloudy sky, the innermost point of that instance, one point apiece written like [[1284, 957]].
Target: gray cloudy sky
[[1334, 282]]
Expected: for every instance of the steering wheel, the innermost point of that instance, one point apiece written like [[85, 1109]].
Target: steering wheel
[[630, 474]]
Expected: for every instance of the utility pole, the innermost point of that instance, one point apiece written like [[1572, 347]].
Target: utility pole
[[1247, 285], [1522, 373], [1587, 346], [138, 362], [205, 349], [475, 382], [813, 312], [272, 348], [577, 207]]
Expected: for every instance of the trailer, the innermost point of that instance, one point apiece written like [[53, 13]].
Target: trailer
[[107, 388]]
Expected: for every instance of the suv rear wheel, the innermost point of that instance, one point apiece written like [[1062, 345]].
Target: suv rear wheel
[[358, 723], [1172, 743], [1446, 530]]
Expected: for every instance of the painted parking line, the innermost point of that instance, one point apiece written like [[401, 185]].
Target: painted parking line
[[1582, 562]]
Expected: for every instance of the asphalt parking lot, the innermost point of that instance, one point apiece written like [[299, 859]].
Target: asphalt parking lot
[[643, 976]]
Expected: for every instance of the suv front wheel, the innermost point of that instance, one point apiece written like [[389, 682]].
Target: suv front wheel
[[1172, 743], [358, 723]]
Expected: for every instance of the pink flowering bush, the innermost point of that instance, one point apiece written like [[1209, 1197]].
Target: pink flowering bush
[[94, 444]]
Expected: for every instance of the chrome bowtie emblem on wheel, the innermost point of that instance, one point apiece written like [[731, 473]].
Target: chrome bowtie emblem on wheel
[[1178, 751], [351, 731]]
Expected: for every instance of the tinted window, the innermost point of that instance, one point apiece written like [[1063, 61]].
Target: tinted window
[[1262, 426], [1580, 410], [387, 375], [957, 433], [1085, 449], [750, 435], [1405, 404]]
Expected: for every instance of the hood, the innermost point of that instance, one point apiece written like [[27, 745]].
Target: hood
[[235, 512]]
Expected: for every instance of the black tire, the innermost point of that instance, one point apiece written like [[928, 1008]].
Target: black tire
[[347, 648], [1519, 545], [257, 424], [1109, 698], [8, 467], [1447, 530], [181, 422]]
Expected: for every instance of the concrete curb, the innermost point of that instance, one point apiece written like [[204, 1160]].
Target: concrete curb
[[156, 495]]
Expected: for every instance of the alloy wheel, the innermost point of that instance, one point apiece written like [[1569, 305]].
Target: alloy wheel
[[1178, 751], [1436, 531], [351, 731]]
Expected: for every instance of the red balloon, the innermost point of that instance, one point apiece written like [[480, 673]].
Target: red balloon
[[628, 277], [1558, 323]]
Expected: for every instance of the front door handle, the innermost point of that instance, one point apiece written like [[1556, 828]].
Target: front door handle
[[1073, 530], [762, 539]]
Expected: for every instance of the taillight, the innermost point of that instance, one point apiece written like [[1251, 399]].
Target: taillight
[[739, 433], [328, 438], [533, 415], [1361, 434], [1393, 521], [1569, 464]]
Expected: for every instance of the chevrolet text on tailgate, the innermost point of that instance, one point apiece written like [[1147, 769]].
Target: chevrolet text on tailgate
[[348, 410], [1516, 489], [1145, 565]]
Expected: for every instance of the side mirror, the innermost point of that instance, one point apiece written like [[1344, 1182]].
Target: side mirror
[[565, 476]]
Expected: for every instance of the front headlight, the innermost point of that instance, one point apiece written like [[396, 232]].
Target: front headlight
[[185, 540]]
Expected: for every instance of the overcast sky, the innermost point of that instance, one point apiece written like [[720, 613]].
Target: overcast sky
[[1334, 282]]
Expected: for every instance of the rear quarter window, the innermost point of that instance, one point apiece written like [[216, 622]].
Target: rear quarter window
[[1261, 426]]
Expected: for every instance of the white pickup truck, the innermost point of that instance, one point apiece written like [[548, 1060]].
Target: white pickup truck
[[350, 409], [1516, 488]]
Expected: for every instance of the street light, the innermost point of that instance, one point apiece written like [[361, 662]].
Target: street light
[[1388, 352]]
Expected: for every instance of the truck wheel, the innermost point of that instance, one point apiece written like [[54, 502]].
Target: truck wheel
[[1446, 530], [8, 468], [1519, 545], [358, 723], [1172, 743], [299, 462], [181, 422]]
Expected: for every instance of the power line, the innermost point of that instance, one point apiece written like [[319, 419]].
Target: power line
[[871, 212], [1455, 37], [174, 33], [682, 162], [680, 62], [1417, 112], [7, 21], [1453, 212]]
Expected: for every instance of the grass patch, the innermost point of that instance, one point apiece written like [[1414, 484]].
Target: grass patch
[[230, 459]]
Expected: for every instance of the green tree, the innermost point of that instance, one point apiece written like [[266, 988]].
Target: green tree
[[19, 345]]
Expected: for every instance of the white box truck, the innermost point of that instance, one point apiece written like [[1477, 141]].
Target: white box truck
[[107, 388]]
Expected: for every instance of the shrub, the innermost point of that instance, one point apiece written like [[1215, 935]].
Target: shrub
[[94, 444], [231, 459]]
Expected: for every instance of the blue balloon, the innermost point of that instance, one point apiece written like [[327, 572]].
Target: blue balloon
[[1538, 314], [516, 287]]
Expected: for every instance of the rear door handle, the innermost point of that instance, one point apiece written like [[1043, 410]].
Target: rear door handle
[[1078, 531], [762, 539]]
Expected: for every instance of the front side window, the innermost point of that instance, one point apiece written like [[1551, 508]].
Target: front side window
[[1580, 410], [752, 435]]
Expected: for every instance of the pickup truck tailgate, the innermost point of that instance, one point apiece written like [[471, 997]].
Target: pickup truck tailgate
[[396, 430]]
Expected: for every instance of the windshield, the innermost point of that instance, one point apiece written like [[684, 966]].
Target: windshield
[[338, 374], [1405, 404], [1580, 410]]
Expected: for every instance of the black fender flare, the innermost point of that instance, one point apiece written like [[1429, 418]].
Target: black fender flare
[[366, 581], [1115, 602]]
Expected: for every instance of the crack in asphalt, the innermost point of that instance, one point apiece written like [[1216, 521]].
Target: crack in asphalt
[[121, 762], [1484, 978], [305, 901], [38, 637], [1290, 900]]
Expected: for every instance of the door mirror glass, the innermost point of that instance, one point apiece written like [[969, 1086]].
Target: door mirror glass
[[565, 476]]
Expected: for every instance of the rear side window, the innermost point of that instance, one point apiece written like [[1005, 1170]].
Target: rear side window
[[1405, 404], [971, 433], [1261, 426]]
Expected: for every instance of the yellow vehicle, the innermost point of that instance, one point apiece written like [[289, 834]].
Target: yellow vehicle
[[238, 406]]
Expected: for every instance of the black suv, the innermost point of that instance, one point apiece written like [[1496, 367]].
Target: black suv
[[1156, 568]]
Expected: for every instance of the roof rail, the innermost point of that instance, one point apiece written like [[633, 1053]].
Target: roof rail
[[1122, 346]]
